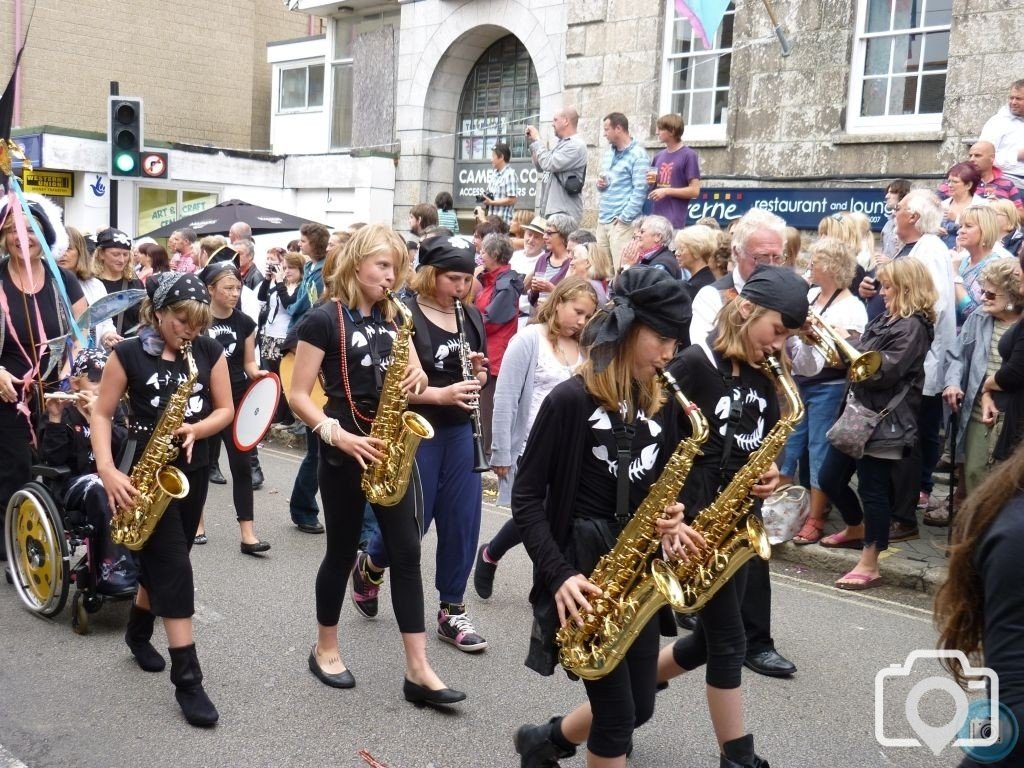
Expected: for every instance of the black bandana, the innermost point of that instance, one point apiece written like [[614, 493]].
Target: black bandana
[[89, 362], [212, 271], [641, 294], [781, 289], [168, 288], [448, 254], [113, 238]]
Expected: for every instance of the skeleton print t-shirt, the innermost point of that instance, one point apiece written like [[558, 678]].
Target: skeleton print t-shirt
[[599, 473], [231, 333], [443, 369]]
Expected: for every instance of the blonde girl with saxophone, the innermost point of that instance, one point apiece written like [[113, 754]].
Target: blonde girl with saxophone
[[347, 341], [152, 368], [598, 443]]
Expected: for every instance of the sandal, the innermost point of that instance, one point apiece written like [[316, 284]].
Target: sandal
[[938, 517], [811, 532], [854, 581], [841, 541]]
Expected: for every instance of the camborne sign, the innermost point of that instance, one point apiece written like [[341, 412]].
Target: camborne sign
[[472, 178], [801, 207]]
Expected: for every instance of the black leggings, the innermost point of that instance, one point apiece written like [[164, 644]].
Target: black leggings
[[719, 640], [240, 464], [508, 537], [164, 568], [623, 700], [344, 500]]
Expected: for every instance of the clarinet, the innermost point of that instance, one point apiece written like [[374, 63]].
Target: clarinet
[[480, 461]]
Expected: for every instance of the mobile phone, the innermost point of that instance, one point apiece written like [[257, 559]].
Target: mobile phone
[[877, 284]]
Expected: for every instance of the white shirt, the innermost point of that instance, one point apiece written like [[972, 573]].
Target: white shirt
[[848, 313], [524, 265], [706, 306], [934, 255], [1006, 133]]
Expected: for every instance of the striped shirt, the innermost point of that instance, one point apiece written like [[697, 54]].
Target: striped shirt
[[503, 185], [448, 220], [626, 172]]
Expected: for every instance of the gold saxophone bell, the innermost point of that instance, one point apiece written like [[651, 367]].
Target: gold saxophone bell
[[838, 352]]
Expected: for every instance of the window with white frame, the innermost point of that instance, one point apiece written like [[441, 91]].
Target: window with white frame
[[900, 57], [695, 76], [301, 88]]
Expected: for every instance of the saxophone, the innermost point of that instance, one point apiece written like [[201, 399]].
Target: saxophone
[[732, 535], [634, 585], [153, 476], [386, 481]]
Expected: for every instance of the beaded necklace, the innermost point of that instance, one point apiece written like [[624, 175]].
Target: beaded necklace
[[357, 415]]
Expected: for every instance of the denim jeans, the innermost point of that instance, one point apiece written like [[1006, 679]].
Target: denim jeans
[[302, 504], [821, 404], [873, 488]]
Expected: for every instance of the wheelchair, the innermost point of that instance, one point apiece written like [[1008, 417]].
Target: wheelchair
[[42, 540]]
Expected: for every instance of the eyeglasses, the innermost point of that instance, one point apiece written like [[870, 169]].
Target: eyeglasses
[[990, 295], [550, 232]]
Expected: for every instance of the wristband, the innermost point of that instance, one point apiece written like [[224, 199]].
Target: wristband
[[325, 429]]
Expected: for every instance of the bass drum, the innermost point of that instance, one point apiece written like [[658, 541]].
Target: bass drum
[[287, 368], [37, 550]]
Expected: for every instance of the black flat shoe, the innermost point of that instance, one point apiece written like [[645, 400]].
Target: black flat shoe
[[252, 549], [216, 477], [340, 680], [200, 538], [310, 527], [421, 695], [770, 663]]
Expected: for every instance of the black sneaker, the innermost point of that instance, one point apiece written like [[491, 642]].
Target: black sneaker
[[457, 629], [216, 477], [364, 588], [483, 574]]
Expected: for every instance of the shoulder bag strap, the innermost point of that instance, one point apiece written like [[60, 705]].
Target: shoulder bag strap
[[735, 411], [624, 451]]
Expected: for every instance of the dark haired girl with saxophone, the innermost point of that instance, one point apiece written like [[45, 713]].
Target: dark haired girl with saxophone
[[348, 341], [155, 369], [452, 491], [598, 443]]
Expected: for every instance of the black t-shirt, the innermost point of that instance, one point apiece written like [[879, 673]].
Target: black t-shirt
[[231, 332], [708, 386], [599, 469], [127, 320], [443, 369], [367, 357], [51, 311], [151, 383]]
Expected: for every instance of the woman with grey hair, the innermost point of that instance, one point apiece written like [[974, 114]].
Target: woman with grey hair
[[553, 265], [496, 295]]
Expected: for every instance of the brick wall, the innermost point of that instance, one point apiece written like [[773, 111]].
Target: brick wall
[[199, 65]]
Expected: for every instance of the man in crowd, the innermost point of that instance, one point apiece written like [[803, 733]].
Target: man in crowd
[[1005, 131], [994, 183], [251, 277], [674, 175], [655, 237], [623, 187], [525, 260], [180, 245], [239, 231], [422, 217], [564, 166], [503, 188]]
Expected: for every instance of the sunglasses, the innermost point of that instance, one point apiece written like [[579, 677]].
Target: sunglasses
[[990, 295]]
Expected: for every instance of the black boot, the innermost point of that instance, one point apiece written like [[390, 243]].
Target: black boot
[[739, 753], [188, 684], [137, 636], [534, 744]]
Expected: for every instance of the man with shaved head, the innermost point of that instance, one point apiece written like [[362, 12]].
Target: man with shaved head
[[564, 166], [994, 183]]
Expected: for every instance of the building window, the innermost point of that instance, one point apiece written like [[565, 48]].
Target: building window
[[159, 206], [695, 77], [501, 97], [900, 59], [302, 88]]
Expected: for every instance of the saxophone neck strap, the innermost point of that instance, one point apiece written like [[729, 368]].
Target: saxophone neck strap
[[623, 434], [735, 411]]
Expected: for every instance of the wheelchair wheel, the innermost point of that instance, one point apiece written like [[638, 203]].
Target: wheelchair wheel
[[37, 550]]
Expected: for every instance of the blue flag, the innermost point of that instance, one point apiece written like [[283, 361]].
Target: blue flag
[[704, 15]]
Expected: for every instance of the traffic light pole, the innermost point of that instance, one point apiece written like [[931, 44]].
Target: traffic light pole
[[115, 89]]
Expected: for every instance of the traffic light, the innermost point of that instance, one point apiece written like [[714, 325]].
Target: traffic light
[[124, 136]]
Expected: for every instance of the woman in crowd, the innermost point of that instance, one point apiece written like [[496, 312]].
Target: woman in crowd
[[151, 369], [355, 323], [279, 291], [32, 310], [452, 490], [554, 264], [973, 358], [962, 180], [589, 263], [76, 259], [569, 503], [542, 355], [902, 335], [979, 609], [843, 228], [112, 264], [695, 247], [154, 260], [446, 212], [496, 295], [235, 331], [1008, 219], [891, 244], [832, 269], [976, 238]]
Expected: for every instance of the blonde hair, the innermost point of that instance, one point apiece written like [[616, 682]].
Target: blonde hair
[[862, 226], [128, 273], [1008, 209], [792, 246], [83, 267], [731, 341], [615, 384], [700, 240], [569, 289], [839, 226], [984, 218], [194, 313], [341, 282], [836, 258], [600, 263], [915, 290]]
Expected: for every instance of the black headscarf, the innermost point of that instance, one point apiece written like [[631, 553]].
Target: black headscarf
[[781, 289], [644, 295], [168, 288], [213, 270], [448, 254]]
